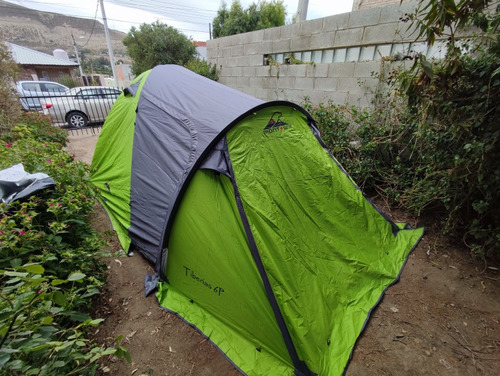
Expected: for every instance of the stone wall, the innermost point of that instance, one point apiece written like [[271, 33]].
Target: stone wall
[[325, 59]]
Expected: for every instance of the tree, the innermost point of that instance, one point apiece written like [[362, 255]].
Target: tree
[[155, 44], [237, 20], [10, 109]]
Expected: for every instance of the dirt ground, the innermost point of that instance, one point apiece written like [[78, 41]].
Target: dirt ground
[[442, 317]]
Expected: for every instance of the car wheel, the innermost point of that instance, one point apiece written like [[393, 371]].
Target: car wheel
[[77, 119]]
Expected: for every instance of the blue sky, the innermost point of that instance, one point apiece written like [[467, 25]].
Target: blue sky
[[191, 17]]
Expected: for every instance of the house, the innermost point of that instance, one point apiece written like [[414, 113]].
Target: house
[[36, 65], [201, 49]]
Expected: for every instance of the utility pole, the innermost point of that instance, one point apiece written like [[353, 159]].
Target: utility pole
[[110, 48], [302, 10], [77, 56]]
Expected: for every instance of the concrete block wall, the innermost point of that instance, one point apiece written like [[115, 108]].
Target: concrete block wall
[[365, 4], [241, 59]]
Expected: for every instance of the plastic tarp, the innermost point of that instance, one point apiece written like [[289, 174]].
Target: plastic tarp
[[16, 183]]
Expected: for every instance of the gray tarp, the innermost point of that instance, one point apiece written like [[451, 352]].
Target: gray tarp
[[15, 183]]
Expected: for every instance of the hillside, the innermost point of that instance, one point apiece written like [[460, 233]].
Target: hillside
[[45, 31]]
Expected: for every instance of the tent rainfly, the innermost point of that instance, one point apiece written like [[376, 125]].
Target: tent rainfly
[[258, 236]]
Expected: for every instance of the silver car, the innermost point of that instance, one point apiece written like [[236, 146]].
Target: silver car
[[80, 106], [30, 93]]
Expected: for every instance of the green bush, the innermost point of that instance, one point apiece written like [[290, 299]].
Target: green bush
[[69, 81], [203, 68], [50, 264], [437, 156], [10, 107]]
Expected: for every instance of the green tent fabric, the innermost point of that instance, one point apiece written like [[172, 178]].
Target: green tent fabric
[[113, 159], [259, 237]]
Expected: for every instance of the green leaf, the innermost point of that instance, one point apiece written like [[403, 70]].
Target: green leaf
[[59, 298], [15, 274], [16, 262], [4, 358], [34, 268], [78, 316], [47, 320], [47, 329], [4, 315], [76, 276], [96, 322], [57, 282], [427, 67], [58, 364], [8, 351], [15, 365]]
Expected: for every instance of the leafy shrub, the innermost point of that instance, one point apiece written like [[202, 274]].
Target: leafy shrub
[[10, 108], [437, 157], [203, 68], [69, 81], [50, 264]]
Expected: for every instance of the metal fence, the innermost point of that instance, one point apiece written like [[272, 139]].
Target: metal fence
[[79, 109]]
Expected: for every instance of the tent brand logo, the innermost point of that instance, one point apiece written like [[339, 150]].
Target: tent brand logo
[[190, 273], [275, 124]]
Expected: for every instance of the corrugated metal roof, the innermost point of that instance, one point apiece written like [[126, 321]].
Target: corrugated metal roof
[[26, 56]]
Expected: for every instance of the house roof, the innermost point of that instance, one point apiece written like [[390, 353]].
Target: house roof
[[26, 56]]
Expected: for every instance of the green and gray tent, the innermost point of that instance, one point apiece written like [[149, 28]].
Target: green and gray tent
[[259, 237]]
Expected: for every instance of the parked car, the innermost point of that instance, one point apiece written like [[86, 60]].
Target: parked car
[[30, 93], [80, 106]]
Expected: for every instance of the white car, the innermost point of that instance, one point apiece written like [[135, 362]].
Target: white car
[[80, 106], [30, 93]]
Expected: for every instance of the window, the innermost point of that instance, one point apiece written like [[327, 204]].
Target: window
[[367, 53], [53, 88], [28, 86], [89, 94], [327, 56], [339, 56], [352, 54]]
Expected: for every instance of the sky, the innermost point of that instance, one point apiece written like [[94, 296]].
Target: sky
[[191, 17]]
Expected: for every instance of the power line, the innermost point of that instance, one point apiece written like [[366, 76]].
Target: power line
[[93, 25], [167, 19]]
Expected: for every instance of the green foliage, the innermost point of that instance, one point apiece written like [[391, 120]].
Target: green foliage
[[69, 81], [10, 108], [236, 20], [49, 261], [438, 19], [33, 125], [202, 67], [99, 65], [155, 44]]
